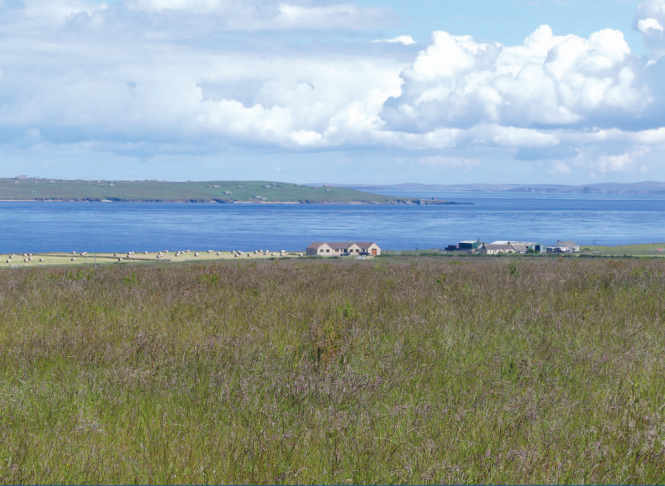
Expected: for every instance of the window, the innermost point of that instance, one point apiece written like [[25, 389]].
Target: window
[[327, 251]]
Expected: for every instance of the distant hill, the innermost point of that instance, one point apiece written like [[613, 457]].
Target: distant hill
[[34, 189], [600, 188]]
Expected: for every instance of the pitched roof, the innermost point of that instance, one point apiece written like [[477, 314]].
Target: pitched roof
[[339, 245], [498, 247], [567, 244]]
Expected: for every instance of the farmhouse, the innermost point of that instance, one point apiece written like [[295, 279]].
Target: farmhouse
[[494, 249], [339, 248]]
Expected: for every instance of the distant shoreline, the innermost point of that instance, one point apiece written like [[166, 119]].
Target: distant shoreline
[[413, 202], [24, 189]]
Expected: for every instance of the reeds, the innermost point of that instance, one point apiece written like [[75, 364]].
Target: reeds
[[333, 372]]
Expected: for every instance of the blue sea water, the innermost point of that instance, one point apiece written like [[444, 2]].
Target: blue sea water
[[38, 227]]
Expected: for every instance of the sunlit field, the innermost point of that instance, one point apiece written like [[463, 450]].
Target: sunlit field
[[541, 370]]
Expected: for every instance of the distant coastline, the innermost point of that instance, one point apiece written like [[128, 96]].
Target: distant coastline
[[400, 201], [34, 189], [647, 187]]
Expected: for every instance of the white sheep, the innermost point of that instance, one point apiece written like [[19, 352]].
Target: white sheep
[[73, 259], [196, 254], [41, 260]]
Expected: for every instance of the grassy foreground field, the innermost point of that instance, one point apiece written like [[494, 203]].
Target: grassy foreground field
[[463, 371]]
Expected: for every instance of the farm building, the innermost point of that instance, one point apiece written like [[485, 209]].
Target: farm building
[[522, 246], [564, 247], [494, 249], [339, 248], [468, 245]]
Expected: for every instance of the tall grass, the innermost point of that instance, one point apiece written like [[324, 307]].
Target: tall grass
[[467, 372]]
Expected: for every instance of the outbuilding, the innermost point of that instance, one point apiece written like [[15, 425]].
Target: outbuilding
[[468, 245], [564, 247]]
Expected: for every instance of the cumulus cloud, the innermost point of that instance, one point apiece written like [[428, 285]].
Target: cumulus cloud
[[649, 20], [621, 162], [645, 25], [548, 81], [169, 75]]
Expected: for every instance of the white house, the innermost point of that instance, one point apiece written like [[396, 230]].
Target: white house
[[339, 248]]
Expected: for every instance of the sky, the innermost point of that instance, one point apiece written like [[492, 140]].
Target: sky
[[338, 91]]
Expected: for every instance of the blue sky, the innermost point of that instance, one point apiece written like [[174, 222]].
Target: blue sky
[[364, 91]]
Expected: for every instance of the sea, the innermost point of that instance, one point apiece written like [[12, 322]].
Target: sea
[[40, 227]]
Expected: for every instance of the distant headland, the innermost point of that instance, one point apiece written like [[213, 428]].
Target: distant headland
[[23, 188], [647, 187]]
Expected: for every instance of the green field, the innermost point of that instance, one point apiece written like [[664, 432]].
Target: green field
[[452, 370], [210, 191], [647, 249]]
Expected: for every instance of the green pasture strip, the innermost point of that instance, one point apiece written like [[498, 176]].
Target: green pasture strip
[[645, 249], [297, 371], [154, 191]]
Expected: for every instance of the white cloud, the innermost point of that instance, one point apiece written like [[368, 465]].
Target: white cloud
[[268, 14], [621, 162], [549, 80], [645, 25], [407, 40], [457, 163], [649, 20], [176, 76]]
